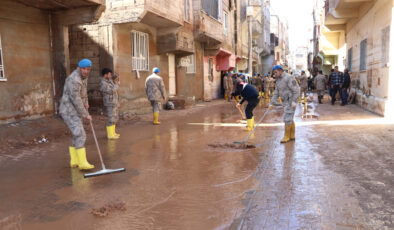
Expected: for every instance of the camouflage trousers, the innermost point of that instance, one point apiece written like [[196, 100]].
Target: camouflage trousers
[[320, 92], [113, 115], [74, 123], [288, 115], [155, 106], [303, 92]]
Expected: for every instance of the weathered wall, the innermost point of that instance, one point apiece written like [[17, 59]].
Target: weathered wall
[[371, 84], [211, 86], [27, 93], [132, 94], [95, 43]]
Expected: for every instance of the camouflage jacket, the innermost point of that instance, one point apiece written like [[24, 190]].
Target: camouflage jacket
[[303, 81], [154, 87], [320, 82], [286, 88], [227, 83], [74, 95], [109, 89]]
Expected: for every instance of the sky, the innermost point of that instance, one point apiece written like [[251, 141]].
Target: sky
[[298, 14]]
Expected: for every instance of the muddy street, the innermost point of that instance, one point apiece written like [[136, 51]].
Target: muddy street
[[187, 174]]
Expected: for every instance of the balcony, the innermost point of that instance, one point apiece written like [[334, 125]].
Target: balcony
[[338, 12], [180, 43], [156, 13], [207, 29], [61, 5], [257, 29]]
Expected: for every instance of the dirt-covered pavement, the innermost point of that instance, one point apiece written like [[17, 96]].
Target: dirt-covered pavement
[[183, 174]]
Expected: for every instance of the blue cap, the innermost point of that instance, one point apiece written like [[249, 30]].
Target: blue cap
[[227, 74], [156, 70], [303, 71], [277, 67], [84, 63]]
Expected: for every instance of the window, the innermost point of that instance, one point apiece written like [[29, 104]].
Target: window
[[191, 63], [211, 7], [225, 23], [140, 50], [363, 55], [385, 46], [210, 69], [2, 74], [187, 10], [349, 59]]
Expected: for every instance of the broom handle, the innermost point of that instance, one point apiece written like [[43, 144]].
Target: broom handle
[[240, 110], [261, 119], [97, 145]]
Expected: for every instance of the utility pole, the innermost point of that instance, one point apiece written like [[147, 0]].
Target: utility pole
[[249, 14]]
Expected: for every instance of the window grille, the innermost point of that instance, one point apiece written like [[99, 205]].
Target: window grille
[[140, 50]]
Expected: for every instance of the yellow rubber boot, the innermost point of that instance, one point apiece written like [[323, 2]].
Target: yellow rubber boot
[[280, 100], [156, 118], [250, 124], [286, 138], [304, 99], [115, 134], [83, 164], [111, 132], [299, 100], [225, 97], [73, 157], [292, 132]]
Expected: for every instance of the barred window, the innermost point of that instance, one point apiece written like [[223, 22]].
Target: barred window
[[140, 50], [191, 66], [385, 46], [363, 55], [349, 59], [2, 74]]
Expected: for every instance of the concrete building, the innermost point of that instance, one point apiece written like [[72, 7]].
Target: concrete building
[[33, 53], [366, 49], [193, 42]]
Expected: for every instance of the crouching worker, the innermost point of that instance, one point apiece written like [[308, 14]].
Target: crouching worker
[[109, 88], [154, 87], [288, 89], [74, 106], [250, 94]]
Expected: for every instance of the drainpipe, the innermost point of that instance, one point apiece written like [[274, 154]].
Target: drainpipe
[[55, 106]]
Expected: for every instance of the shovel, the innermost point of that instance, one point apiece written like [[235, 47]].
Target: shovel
[[243, 143], [104, 170]]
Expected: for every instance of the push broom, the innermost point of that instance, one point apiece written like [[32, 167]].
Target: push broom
[[104, 170], [243, 143]]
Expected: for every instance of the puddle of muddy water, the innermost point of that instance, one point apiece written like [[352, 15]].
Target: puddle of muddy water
[[232, 146]]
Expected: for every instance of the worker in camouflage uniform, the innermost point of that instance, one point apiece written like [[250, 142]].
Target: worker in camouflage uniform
[[109, 88], [73, 106], [287, 88], [268, 87], [154, 87], [228, 86], [303, 80], [320, 84], [259, 84]]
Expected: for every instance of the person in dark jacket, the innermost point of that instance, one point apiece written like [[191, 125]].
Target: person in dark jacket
[[250, 94], [336, 83], [345, 87]]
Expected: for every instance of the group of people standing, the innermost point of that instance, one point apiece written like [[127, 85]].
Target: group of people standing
[[339, 83], [74, 106]]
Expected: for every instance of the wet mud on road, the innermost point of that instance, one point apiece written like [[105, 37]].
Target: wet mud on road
[[334, 176]]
